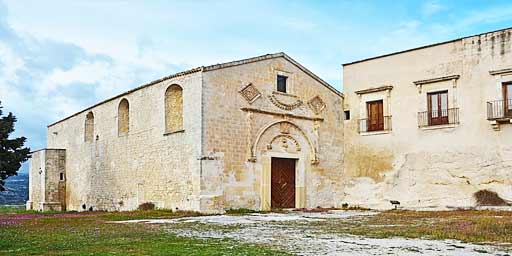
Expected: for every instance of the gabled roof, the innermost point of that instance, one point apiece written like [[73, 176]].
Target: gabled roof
[[273, 56], [211, 68]]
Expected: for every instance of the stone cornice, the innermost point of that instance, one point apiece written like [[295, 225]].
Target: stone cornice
[[500, 71], [376, 89], [254, 110], [437, 79]]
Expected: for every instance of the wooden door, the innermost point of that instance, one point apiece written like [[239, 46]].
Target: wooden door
[[507, 99], [375, 115], [282, 183], [437, 108]]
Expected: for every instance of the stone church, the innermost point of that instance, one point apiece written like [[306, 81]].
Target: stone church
[[256, 133], [428, 127]]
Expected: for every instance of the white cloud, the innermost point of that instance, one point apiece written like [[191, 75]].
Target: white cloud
[[430, 8], [10, 64]]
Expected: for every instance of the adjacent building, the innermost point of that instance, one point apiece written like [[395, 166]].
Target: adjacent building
[[430, 126]]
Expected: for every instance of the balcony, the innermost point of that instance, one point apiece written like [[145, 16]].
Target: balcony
[[379, 125], [499, 110], [439, 117]]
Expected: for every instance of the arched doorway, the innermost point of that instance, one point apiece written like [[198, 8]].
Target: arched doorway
[[283, 150]]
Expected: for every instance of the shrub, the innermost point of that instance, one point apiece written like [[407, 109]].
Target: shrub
[[489, 198], [240, 211], [148, 206]]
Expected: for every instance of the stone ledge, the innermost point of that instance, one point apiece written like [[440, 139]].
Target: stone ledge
[[500, 71], [254, 110], [174, 132], [284, 94], [374, 133], [437, 79], [376, 89], [438, 127]]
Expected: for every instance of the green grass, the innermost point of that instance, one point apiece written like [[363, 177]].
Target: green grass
[[12, 209], [30, 233], [93, 233]]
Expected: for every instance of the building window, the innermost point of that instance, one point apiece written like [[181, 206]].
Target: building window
[[347, 114], [173, 109], [281, 83], [62, 176], [123, 117], [507, 99], [89, 127], [501, 109], [437, 108], [375, 110], [438, 111]]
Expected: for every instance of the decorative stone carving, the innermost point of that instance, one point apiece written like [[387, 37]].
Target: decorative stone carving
[[312, 147], [284, 141], [316, 104], [283, 105], [250, 93], [285, 127]]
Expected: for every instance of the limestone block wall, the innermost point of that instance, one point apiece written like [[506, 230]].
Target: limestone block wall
[[47, 188], [429, 166], [119, 171], [35, 181], [243, 112]]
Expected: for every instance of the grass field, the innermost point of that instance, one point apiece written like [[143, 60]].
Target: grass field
[[29, 233], [93, 233]]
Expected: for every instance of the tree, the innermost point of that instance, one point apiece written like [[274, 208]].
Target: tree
[[12, 152]]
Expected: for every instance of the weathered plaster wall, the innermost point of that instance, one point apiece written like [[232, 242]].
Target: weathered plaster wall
[[233, 124], [430, 167], [120, 171]]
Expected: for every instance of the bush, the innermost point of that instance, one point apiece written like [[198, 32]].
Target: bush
[[148, 206], [240, 211], [489, 198]]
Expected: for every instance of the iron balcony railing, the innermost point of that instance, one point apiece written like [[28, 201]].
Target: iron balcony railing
[[499, 109], [438, 117], [374, 125]]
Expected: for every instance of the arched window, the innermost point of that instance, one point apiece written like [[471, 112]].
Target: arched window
[[123, 117], [89, 127], [174, 109]]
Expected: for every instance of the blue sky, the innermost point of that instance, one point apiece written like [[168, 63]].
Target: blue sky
[[58, 57]]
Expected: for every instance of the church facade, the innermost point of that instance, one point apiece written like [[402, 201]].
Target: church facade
[[256, 133]]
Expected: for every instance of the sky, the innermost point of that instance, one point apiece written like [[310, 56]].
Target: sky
[[58, 57]]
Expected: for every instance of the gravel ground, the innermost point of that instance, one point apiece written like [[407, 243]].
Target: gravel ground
[[296, 233]]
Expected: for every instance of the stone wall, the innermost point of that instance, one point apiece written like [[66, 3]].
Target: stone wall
[[144, 150], [35, 184], [429, 166], [247, 122], [119, 171], [47, 188]]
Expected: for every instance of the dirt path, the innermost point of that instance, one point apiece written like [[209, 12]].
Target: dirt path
[[297, 233]]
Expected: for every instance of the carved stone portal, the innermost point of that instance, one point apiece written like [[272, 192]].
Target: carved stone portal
[[286, 140], [250, 93], [316, 104]]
